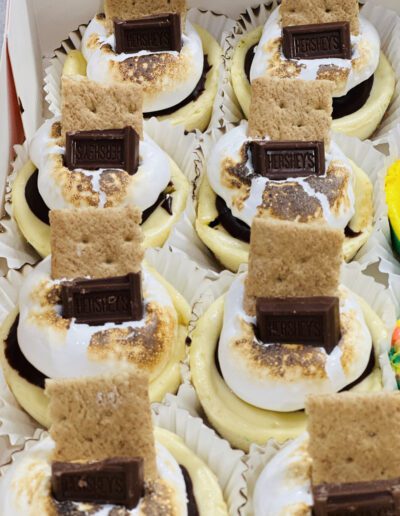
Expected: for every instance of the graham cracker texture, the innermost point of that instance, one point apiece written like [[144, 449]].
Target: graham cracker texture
[[291, 109], [99, 243], [103, 417], [89, 106], [293, 259], [308, 12], [353, 436], [136, 9]]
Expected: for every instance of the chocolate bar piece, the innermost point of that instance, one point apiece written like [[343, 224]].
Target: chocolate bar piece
[[377, 498], [111, 148], [98, 301], [285, 159], [118, 481], [158, 33], [317, 41], [313, 321]]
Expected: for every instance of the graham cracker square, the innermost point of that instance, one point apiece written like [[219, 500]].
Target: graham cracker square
[[353, 436], [136, 9], [88, 106], [308, 12], [102, 417], [292, 259], [94, 242], [291, 109]]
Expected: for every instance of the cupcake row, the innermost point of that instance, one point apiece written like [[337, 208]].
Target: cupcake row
[[228, 187], [364, 76]]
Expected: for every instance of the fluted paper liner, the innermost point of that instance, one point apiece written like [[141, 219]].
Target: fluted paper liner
[[224, 462], [362, 153], [217, 25], [14, 249], [385, 20]]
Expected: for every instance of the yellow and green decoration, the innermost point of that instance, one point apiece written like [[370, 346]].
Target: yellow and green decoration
[[392, 189], [394, 353]]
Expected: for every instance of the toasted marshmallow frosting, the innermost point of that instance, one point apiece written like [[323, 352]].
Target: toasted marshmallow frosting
[[231, 175], [280, 376], [284, 486], [26, 488], [345, 73], [167, 78], [62, 188], [63, 348]]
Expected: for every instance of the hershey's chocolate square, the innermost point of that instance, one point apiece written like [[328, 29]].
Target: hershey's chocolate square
[[156, 33], [285, 159], [98, 301], [377, 498], [117, 481], [317, 41], [313, 321], [111, 148]]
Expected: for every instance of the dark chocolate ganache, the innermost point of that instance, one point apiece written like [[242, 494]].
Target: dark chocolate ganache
[[239, 229], [196, 93], [39, 208], [354, 100]]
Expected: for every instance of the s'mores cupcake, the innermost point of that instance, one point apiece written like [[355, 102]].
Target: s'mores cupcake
[[284, 330], [153, 45], [321, 40], [103, 457], [92, 307], [346, 463], [97, 155], [283, 163]]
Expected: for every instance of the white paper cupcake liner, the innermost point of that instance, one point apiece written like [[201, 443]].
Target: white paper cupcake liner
[[228, 110], [256, 460], [14, 249], [217, 25], [375, 294], [385, 20], [224, 462], [11, 413], [363, 153]]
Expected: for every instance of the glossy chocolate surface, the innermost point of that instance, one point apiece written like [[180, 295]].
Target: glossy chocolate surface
[[375, 498], [117, 481], [317, 41], [100, 301], [157, 33], [103, 149], [280, 160], [312, 321]]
